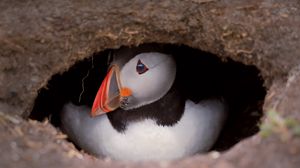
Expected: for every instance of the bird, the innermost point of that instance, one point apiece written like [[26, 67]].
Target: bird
[[140, 113]]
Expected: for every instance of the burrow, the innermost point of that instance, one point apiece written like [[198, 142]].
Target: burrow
[[39, 41], [242, 86]]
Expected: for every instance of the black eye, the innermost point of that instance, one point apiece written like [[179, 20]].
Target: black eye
[[141, 68]]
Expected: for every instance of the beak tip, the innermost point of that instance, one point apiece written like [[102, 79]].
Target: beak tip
[[96, 112], [93, 113]]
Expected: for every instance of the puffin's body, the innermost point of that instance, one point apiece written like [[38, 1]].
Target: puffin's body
[[140, 113]]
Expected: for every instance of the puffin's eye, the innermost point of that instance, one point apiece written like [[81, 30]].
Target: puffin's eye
[[141, 68]]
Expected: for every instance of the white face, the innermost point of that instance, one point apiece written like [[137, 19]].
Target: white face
[[149, 76]]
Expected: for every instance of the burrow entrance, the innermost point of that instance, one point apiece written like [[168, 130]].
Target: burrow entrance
[[206, 75]]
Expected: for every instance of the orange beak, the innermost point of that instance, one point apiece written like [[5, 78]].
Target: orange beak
[[109, 95]]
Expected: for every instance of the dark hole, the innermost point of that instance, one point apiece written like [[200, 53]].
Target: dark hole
[[206, 75]]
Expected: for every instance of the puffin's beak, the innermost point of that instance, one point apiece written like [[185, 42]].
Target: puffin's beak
[[108, 97]]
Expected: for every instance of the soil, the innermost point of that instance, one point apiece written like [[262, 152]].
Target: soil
[[39, 39]]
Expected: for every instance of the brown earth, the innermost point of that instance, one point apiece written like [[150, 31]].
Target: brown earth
[[41, 38]]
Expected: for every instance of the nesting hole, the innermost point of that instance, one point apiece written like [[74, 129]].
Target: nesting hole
[[203, 75]]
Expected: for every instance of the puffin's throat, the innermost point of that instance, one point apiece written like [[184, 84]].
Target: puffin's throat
[[166, 111]]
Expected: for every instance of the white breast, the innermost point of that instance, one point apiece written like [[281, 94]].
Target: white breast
[[197, 131]]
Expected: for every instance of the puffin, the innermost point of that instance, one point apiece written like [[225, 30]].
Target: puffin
[[140, 113]]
